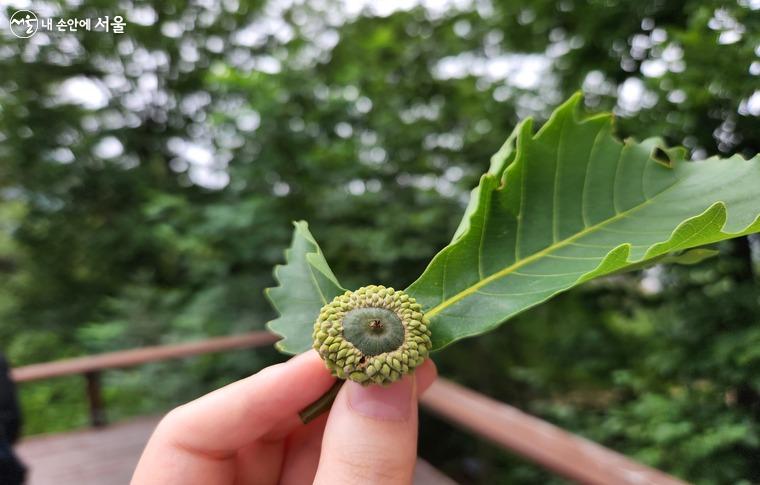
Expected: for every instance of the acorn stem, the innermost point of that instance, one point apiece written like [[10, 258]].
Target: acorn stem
[[322, 404]]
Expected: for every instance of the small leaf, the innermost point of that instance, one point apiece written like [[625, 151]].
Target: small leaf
[[572, 203], [306, 283]]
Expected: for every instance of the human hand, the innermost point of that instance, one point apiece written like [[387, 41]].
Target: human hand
[[249, 432]]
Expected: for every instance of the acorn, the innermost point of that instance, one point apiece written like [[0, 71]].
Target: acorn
[[374, 335]]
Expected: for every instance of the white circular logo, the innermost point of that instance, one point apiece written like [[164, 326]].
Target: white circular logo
[[24, 24]]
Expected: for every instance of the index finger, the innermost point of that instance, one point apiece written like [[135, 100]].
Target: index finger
[[244, 411]]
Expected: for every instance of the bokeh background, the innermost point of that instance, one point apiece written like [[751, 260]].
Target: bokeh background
[[148, 180]]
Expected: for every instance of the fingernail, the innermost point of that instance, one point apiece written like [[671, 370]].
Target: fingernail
[[392, 402]]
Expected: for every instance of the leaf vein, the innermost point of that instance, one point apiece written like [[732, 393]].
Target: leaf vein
[[483, 235], [555, 191], [490, 293], [537, 255], [553, 275], [584, 196], [619, 163]]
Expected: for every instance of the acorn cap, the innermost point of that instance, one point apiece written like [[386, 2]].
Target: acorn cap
[[372, 335]]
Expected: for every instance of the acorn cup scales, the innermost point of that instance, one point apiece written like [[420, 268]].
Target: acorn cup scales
[[373, 335]]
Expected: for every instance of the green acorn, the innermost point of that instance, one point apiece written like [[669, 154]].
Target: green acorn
[[372, 335]]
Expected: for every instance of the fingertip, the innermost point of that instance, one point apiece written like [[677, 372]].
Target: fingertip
[[310, 358], [425, 374], [392, 402], [307, 365], [371, 435]]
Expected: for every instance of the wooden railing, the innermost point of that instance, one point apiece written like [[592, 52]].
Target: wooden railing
[[91, 366], [543, 443]]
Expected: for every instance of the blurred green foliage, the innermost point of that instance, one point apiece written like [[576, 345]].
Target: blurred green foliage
[[148, 181]]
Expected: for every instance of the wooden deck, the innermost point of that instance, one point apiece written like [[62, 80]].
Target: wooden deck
[[95, 456], [107, 456]]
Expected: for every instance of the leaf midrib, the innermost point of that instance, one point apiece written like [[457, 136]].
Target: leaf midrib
[[538, 255]]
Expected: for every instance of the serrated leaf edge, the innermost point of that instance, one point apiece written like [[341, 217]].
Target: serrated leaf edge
[[311, 259]]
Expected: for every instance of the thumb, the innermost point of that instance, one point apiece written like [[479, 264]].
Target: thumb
[[371, 435]]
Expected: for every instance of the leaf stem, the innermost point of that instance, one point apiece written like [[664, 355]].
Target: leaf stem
[[322, 404]]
